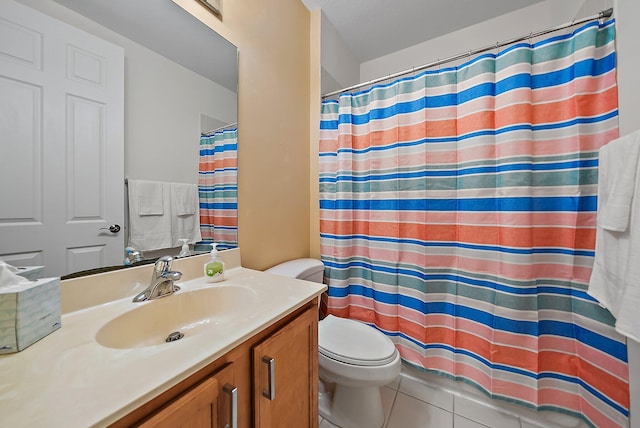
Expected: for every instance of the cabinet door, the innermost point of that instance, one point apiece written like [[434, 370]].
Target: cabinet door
[[213, 403], [285, 370], [196, 408]]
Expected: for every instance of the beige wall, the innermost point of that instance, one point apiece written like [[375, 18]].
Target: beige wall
[[314, 133], [273, 40]]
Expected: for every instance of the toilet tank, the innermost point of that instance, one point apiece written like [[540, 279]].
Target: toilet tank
[[307, 269]]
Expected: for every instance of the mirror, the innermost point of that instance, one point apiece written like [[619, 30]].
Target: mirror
[[180, 79]]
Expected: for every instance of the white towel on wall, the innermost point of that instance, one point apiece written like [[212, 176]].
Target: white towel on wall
[[184, 197], [615, 279], [149, 232], [185, 213], [149, 196]]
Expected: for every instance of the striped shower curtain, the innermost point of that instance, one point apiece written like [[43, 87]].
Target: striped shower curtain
[[458, 217], [218, 187]]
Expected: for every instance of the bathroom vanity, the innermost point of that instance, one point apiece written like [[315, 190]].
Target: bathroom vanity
[[250, 361], [270, 380]]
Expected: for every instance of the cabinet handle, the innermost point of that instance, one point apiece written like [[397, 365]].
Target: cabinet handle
[[271, 392], [233, 393]]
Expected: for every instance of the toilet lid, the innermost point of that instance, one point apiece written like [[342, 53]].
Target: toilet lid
[[353, 342]]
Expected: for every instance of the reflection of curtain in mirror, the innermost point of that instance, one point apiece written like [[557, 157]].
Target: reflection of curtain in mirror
[[218, 187]]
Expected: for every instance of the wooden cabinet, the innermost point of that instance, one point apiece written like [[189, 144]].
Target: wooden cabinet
[[195, 408], [213, 403], [287, 351], [285, 370]]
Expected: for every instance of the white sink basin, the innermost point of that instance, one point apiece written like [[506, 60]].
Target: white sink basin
[[187, 312]]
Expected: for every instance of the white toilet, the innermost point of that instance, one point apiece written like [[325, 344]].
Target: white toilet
[[355, 360]]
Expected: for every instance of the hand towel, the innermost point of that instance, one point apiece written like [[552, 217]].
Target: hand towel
[[615, 279], [149, 194], [184, 197], [621, 157], [185, 215], [149, 232]]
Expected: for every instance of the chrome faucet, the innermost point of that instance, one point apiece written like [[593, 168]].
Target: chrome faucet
[[162, 279], [131, 256]]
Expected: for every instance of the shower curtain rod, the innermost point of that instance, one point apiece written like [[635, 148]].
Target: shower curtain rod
[[601, 15], [219, 129]]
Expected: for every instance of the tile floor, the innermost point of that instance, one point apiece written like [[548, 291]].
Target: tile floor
[[419, 400]]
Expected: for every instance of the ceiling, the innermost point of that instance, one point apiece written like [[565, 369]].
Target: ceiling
[[198, 48], [374, 28], [370, 28]]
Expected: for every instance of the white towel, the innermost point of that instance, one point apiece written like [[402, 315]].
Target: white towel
[[149, 195], [149, 232], [615, 279], [185, 216], [184, 197]]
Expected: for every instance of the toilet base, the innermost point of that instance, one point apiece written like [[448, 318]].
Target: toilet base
[[350, 407]]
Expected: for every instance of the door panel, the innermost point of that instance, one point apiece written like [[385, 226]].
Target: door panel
[[20, 44], [80, 257], [21, 151], [85, 67], [85, 159]]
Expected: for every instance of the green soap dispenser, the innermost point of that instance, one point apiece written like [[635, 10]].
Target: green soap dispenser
[[214, 267]]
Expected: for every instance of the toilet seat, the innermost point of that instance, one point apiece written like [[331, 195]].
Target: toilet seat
[[352, 342]]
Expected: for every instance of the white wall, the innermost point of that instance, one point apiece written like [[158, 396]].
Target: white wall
[[537, 17], [160, 92], [163, 104], [627, 13], [340, 68]]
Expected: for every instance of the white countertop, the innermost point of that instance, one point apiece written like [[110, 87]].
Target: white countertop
[[67, 379]]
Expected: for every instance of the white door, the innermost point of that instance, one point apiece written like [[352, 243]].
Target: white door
[[61, 144]]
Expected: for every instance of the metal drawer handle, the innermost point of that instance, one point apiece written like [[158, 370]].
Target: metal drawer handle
[[271, 392], [233, 393]]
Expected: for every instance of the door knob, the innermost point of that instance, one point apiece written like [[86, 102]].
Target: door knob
[[114, 228]]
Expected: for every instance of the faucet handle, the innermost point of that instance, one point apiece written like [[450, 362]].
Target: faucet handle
[[163, 264]]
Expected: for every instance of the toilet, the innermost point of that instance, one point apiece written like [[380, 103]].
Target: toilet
[[354, 360]]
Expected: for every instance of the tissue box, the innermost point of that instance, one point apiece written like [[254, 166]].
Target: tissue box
[[28, 312], [32, 273]]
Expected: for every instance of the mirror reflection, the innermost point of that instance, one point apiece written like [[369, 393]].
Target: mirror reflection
[[99, 93]]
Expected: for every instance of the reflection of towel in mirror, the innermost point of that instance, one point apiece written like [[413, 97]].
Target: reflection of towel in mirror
[[185, 216], [184, 197], [615, 279], [177, 216], [149, 222], [149, 195]]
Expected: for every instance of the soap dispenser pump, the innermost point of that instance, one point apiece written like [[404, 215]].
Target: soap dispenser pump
[[184, 252], [214, 268]]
